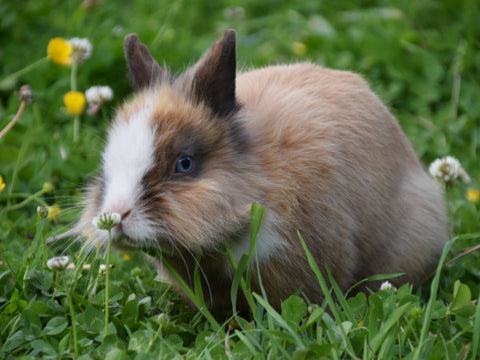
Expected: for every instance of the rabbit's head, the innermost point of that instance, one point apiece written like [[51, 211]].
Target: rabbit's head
[[177, 164]]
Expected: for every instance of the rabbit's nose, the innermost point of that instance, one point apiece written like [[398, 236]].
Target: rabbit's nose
[[119, 206]]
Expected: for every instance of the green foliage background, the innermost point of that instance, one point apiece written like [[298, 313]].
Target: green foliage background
[[421, 57]]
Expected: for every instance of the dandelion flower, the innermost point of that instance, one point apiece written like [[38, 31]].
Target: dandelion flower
[[58, 263], [96, 96], [473, 195], [59, 51], [386, 285], [107, 221], [81, 49], [126, 256], [2, 184], [74, 102], [53, 212], [446, 169]]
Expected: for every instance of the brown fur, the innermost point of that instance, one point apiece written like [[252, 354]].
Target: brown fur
[[315, 146]]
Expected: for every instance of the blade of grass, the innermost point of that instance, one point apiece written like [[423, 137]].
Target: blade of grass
[[380, 337], [340, 297], [197, 284], [192, 296], [256, 217], [427, 318], [375, 278], [326, 293], [476, 331], [278, 318]]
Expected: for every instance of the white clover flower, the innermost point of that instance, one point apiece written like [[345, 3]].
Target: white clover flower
[[96, 96], [107, 221], [58, 263], [82, 49], [99, 94], [447, 169], [386, 285], [102, 269]]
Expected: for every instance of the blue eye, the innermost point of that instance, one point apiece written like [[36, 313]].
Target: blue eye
[[184, 165]]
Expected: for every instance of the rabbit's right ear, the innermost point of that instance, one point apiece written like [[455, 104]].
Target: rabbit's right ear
[[144, 70]]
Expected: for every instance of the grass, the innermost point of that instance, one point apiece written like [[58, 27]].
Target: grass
[[422, 58]]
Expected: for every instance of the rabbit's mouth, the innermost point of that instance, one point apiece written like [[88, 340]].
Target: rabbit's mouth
[[127, 243]]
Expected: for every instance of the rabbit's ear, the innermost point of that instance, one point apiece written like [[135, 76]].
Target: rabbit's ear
[[214, 77], [144, 70]]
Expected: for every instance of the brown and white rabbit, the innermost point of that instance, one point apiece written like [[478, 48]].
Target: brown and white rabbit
[[187, 156]]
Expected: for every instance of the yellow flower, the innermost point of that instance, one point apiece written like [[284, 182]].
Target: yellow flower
[[299, 48], [126, 256], [2, 184], [473, 195], [75, 102], [59, 51], [53, 212]]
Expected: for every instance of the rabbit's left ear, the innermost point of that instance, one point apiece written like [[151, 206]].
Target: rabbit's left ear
[[144, 70], [214, 77]]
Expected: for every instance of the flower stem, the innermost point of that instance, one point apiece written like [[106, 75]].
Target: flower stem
[[74, 325], [20, 72], [15, 119], [30, 198], [73, 77], [107, 280], [73, 87], [76, 128]]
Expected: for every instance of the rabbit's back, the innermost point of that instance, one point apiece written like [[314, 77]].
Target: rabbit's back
[[347, 177]]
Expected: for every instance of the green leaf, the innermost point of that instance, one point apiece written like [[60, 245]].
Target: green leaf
[[314, 317], [63, 344], [130, 311], [461, 296], [115, 354], [139, 341], [40, 308], [294, 309], [19, 338], [314, 352], [91, 320], [31, 320], [55, 326], [43, 347], [439, 311]]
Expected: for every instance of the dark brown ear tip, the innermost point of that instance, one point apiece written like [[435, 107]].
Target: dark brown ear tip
[[130, 40], [229, 36]]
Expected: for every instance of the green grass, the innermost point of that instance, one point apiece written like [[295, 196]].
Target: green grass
[[422, 58]]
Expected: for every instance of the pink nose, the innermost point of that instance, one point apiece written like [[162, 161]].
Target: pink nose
[[120, 207]]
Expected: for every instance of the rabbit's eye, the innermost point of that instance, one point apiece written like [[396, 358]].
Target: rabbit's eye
[[184, 165]]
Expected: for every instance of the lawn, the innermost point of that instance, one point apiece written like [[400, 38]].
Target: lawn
[[421, 58]]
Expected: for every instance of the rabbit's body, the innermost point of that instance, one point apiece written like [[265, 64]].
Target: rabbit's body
[[315, 146]]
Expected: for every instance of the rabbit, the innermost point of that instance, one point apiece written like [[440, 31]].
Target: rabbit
[[187, 156]]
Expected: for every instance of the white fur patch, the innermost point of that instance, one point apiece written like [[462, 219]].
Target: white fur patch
[[127, 157], [269, 242]]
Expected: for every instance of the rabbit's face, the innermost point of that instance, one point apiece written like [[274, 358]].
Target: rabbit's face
[[177, 165], [173, 171]]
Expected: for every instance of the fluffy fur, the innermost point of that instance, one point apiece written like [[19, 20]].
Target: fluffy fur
[[315, 146]]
